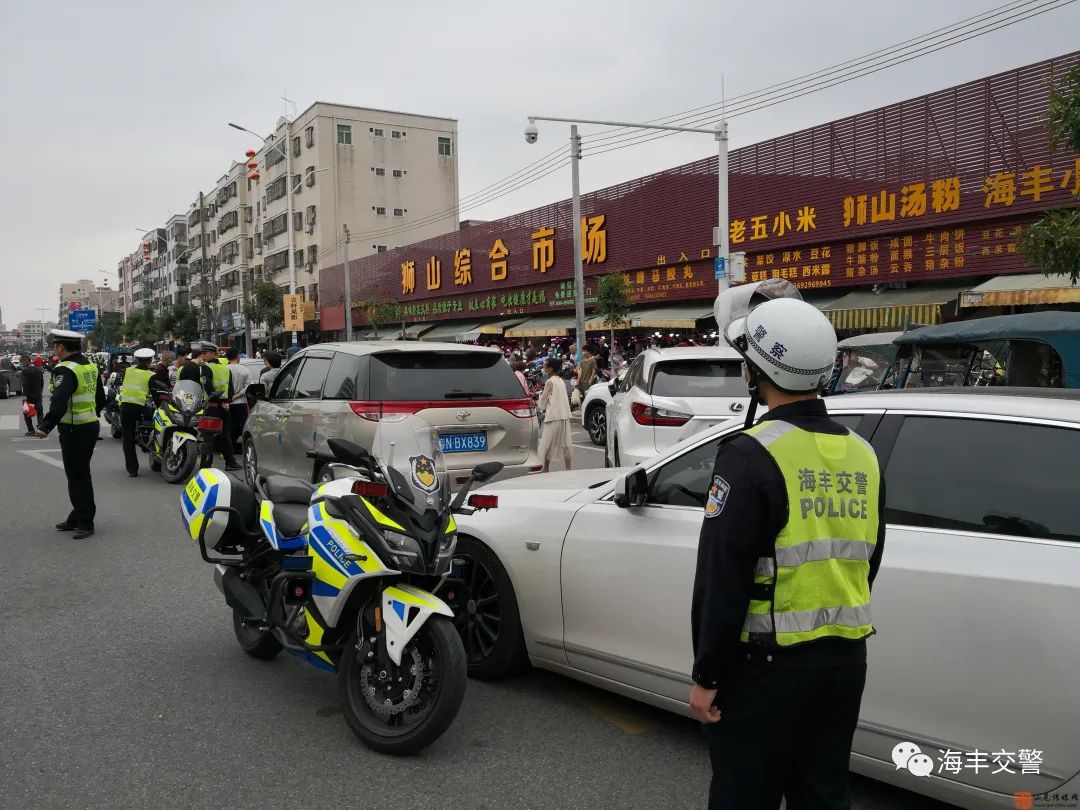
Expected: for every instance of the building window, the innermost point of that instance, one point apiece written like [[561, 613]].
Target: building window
[[376, 131], [313, 253], [309, 175], [379, 248], [395, 134], [275, 153], [344, 134], [399, 212], [311, 218], [298, 221], [276, 190], [298, 257], [296, 146], [380, 211], [445, 148], [380, 172], [399, 172], [309, 137]]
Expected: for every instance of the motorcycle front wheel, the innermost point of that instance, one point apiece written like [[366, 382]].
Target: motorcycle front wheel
[[179, 464], [402, 710]]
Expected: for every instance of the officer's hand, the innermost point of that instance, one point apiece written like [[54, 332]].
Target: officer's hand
[[41, 434], [701, 704]]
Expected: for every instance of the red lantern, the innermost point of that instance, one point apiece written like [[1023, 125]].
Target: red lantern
[[253, 165], [254, 176], [250, 153]]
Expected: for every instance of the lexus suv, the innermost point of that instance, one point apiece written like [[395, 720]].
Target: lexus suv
[[342, 390]]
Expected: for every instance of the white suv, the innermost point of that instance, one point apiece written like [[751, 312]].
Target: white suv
[[666, 393]]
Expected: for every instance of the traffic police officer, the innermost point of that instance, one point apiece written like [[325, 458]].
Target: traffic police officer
[[216, 382], [76, 401], [790, 544], [134, 393]]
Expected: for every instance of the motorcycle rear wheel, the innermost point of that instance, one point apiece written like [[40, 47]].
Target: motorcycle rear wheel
[[404, 728]]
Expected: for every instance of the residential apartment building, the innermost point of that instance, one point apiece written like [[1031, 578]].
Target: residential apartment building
[[72, 294], [32, 334], [391, 177]]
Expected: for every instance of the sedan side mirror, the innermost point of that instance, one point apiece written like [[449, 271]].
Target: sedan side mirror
[[632, 490]]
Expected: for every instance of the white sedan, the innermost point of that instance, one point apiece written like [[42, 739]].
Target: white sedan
[[589, 573]]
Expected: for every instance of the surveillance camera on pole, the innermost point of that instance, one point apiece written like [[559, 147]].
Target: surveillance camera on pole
[[531, 132]]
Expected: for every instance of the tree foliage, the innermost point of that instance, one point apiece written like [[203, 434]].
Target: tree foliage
[[1053, 243], [265, 305], [613, 299], [143, 327], [109, 330], [379, 311]]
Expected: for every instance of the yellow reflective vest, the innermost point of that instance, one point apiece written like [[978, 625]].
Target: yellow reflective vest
[[135, 389], [816, 584], [81, 409]]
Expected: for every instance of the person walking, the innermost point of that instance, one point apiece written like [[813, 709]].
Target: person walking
[[790, 544], [74, 407], [238, 408], [33, 384], [555, 403], [587, 369], [134, 393]]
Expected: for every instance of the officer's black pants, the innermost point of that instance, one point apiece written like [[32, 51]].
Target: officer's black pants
[[223, 443], [77, 443], [130, 416], [785, 732]]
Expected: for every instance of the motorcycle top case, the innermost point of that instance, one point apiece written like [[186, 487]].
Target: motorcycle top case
[[210, 488]]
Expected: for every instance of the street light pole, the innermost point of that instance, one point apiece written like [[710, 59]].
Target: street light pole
[[348, 287], [720, 232]]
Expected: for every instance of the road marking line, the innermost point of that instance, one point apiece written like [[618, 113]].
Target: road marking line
[[626, 721], [589, 447], [40, 456]]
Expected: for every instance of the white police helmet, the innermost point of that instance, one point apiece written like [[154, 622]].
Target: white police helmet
[[790, 342]]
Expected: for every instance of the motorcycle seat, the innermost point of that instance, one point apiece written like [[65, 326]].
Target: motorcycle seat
[[290, 518], [286, 489]]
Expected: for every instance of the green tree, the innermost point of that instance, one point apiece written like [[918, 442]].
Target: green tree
[[1053, 243], [185, 322], [265, 306], [613, 301], [143, 327], [379, 312], [109, 330]]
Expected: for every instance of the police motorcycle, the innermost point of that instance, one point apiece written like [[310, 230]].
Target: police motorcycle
[[175, 448], [344, 575]]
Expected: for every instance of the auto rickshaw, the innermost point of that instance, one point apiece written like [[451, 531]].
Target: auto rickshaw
[[862, 362]]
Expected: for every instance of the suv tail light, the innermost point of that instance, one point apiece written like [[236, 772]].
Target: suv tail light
[[657, 417], [396, 411], [211, 423]]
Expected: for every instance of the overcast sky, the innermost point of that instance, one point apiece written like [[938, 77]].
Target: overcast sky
[[115, 112]]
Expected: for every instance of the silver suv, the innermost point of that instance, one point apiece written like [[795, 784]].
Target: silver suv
[[468, 393]]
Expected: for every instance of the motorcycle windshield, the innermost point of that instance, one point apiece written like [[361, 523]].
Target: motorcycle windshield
[[187, 395], [734, 304], [409, 451]]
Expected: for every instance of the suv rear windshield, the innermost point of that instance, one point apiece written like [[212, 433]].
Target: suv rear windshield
[[426, 376], [699, 378]]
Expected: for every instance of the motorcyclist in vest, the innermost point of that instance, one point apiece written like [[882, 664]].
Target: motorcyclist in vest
[[790, 544], [217, 382], [74, 406], [134, 393]]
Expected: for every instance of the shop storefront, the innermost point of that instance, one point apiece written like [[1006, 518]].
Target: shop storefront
[[884, 219]]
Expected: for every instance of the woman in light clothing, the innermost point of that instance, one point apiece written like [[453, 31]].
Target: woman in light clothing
[[555, 402]]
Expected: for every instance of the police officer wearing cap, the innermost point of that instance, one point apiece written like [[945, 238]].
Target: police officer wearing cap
[[134, 393], [76, 401], [216, 382], [790, 544]]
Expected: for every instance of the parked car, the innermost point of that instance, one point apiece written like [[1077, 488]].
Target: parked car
[[667, 393], [343, 390], [974, 605], [594, 408], [10, 378]]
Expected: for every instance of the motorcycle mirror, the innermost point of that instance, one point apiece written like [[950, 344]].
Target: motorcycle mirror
[[348, 452], [482, 473], [257, 390]]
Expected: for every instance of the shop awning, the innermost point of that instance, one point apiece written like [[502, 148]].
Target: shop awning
[[889, 309], [453, 332], [672, 317], [543, 326], [1021, 289], [494, 328], [414, 330]]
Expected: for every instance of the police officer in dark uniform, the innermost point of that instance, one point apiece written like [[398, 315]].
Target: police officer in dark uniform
[[790, 544], [74, 406]]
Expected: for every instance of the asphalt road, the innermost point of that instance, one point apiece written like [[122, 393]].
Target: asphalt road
[[121, 685]]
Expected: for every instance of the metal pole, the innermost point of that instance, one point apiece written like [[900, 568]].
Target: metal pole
[[289, 208], [721, 237], [246, 292], [579, 271], [348, 287], [204, 264]]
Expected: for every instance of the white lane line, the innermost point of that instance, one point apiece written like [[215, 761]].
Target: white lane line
[[40, 455], [592, 447]]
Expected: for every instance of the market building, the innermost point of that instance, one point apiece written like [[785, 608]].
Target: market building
[[907, 213]]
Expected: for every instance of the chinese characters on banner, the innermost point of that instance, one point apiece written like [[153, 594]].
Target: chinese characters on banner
[[294, 312]]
